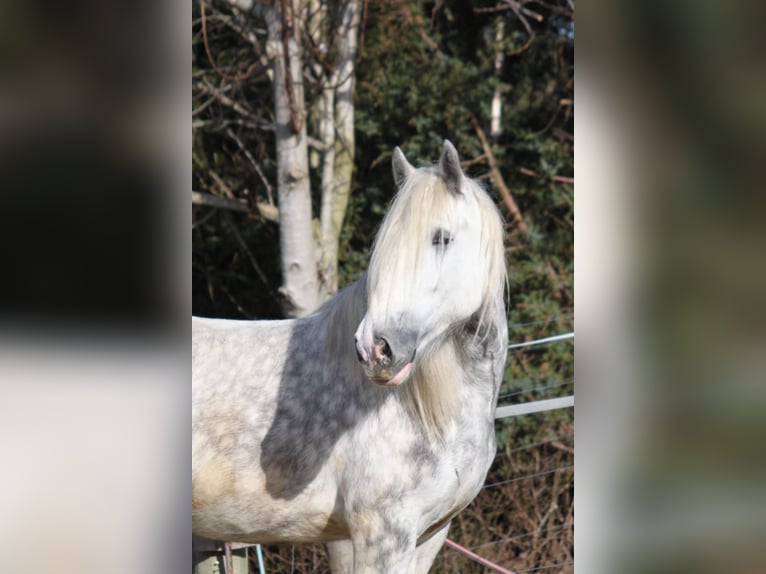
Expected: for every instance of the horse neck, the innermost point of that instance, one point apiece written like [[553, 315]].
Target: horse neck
[[336, 321], [460, 369]]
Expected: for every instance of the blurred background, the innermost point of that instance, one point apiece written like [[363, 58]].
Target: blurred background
[[97, 163], [672, 331]]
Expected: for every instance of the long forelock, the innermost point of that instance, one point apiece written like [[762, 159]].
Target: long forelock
[[402, 239], [401, 242]]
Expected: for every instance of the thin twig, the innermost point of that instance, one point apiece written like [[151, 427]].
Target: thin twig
[[227, 101], [557, 178], [196, 224], [521, 12], [203, 105], [362, 29], [247, 251], [256, 167], [219, 124], [222, 184], [563, 447], [221, 73], [265, 210]]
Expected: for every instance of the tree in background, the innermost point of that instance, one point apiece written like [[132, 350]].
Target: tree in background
[[308, 252], [296, 245], [335, 111]]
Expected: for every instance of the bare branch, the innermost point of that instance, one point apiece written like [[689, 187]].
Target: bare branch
[[316, 144], [201, 198], [227, 101], [362, 29], [238, 77], [256, 167], [221, 184], [498, 178], [268, 212], [247, 251], [220, 124], [557, 178]]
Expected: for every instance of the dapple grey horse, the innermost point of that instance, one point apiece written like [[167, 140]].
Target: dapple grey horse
[[370, 424]]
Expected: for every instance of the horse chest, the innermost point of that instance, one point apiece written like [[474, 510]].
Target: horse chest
[[427, 482], [468, 466]]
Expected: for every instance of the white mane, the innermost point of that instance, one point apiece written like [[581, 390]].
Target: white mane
[[433, 392]]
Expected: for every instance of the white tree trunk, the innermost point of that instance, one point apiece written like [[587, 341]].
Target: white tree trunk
[[316, 24], [297, 247], [497, 102], [327, 264], [305, 283], [339, 157]]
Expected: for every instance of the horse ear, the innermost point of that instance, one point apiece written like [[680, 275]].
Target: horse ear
[[449, 163], [401, 167]]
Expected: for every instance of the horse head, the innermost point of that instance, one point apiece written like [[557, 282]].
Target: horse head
[[437, 261]]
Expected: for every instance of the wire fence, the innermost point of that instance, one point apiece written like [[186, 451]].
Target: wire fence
[[543, 341], [515, 410], [537, 389]]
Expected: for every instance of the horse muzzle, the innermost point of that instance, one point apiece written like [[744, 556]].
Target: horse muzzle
[[384, 357]]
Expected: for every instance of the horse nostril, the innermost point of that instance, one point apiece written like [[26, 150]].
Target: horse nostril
[[383, 347]]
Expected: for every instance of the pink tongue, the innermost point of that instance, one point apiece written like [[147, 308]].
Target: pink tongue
[[400, 376]]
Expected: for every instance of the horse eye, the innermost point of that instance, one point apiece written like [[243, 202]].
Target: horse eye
[[441, 237]]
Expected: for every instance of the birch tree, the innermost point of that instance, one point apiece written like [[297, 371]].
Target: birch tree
[[309, 246], [338, 137], [297, 251], [308, 282]]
